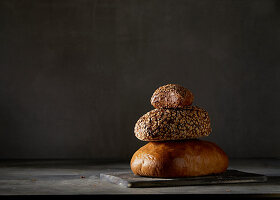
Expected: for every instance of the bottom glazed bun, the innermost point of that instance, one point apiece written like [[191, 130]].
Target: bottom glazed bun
[[182, 158]]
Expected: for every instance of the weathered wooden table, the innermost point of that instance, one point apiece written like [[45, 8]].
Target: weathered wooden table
[[83, 177]]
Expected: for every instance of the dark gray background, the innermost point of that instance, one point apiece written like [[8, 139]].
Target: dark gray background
[[75, 75]]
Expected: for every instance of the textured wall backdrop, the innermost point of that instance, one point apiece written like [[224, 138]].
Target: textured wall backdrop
[[75, 75]]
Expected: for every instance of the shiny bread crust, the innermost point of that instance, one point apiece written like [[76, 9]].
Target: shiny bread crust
[[179, 159]]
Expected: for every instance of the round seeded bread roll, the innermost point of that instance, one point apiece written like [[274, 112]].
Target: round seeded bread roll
[[173, 124], [179, 159], [172, 96]]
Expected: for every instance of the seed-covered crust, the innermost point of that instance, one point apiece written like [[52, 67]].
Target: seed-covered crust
[[173, 124], [171, 96]]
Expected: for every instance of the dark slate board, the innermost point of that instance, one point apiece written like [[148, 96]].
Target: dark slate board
[[128, 179]]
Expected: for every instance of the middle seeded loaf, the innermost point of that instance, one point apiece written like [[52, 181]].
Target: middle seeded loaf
[[173, 124]]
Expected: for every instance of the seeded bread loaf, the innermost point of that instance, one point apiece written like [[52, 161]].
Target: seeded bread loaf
[[171, 96], [179, 159], [173, 124]]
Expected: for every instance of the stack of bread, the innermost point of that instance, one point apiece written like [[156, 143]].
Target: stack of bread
[[172, 130]]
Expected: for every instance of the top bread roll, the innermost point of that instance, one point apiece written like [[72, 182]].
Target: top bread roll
[[172, 96]]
